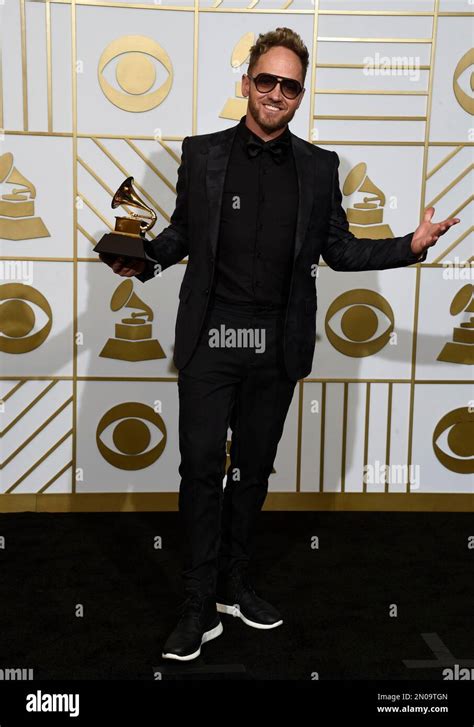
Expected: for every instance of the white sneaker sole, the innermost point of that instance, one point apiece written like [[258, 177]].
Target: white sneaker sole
[[235, 611], [207, 636]]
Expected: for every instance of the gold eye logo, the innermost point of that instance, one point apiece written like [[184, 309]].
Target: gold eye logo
[[459, 426], [131, 436], [135, 73], [18, 318], [464, 100], [359, 322]]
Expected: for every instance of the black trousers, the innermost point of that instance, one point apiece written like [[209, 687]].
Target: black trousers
[[246, 388]]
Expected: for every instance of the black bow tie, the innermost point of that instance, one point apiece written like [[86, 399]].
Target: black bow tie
[[277, 148]]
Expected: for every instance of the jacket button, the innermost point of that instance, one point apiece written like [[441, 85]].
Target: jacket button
[[206, 290]]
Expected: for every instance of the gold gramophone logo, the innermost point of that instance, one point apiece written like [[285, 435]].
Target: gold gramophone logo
[[17, 207], [235, 108], [465, 100], [18, 318], [132, 435], [461, 349], [359, 322], [366, 217], [135, 73], [458, 425], [133, 335]]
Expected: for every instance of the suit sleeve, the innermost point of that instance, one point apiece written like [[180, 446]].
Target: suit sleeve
[[343, 251], [171, 245]]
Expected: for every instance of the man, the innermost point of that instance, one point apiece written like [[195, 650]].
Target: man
[[256, 208]]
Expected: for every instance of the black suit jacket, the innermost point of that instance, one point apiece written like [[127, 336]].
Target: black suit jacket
[[321, 230]]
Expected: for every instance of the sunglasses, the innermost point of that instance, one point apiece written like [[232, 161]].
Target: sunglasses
[[266, 82]]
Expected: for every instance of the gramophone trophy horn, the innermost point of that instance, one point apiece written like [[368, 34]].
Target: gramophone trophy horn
[[129, 237]]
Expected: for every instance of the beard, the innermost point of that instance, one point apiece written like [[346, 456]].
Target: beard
[[266, 121]]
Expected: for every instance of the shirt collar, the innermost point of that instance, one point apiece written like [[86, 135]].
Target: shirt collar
[[246, 134]]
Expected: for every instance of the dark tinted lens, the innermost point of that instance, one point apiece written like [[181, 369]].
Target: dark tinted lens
[[290, 88], [264, 82]]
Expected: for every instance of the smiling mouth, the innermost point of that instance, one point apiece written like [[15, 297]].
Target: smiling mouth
[[271, 108]]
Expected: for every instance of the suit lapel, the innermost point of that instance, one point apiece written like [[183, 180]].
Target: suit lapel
[[304, 162], [217, 160]]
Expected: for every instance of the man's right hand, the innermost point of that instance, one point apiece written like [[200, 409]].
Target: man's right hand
[[125, 266]]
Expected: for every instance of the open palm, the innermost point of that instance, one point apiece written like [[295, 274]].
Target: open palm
[[427, 232]]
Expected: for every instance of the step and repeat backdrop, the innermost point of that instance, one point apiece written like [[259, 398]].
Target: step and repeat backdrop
[[94, 92]]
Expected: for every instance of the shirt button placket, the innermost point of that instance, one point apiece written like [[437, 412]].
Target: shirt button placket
[[260, 215], [255, 275]]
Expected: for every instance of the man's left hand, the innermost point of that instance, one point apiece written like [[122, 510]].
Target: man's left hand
[[427, 232]]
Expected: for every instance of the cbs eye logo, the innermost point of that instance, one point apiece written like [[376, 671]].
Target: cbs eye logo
[[22, 309], [457, 426], [465, 100], [359, 322], [131, 436], [135, 72]]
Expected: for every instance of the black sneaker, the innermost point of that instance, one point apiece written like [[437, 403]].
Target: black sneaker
[[199, 622], [236, 597]]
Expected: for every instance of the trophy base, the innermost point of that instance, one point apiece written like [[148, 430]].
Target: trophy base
[[132, 350], [458, 353], [125, 245], [373, 232], [23, 229]]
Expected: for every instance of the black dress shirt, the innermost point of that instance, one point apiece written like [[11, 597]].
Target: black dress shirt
[[257, 227]]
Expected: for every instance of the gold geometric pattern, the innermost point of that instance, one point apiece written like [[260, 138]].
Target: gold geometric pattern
[[101, 145], [462, 205], [19, 422], [417, 112]]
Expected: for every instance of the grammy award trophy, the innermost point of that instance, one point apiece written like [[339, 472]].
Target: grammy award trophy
[[129, 237]]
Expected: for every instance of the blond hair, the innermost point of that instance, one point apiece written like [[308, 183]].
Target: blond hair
[[279, 37]]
